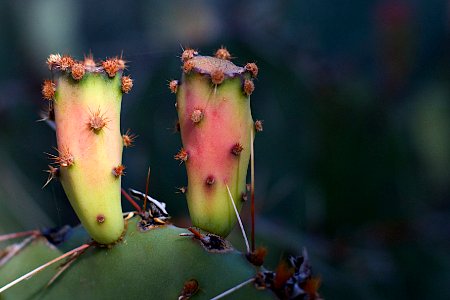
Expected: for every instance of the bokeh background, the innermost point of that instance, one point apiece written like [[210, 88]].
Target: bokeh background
[[354, 160]]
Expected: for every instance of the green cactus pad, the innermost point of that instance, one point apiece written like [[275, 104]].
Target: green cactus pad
[[150, 265]]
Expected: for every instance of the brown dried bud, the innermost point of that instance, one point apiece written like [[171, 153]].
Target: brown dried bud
[[249, 87], [217, 76], [48, 89], [188, 54], [252, 68], [111, 66], [188, 66], [66, 63], [223, 53], [78, 71], [127, 84]]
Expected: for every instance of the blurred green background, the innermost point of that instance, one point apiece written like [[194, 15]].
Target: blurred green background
[[354, 160]]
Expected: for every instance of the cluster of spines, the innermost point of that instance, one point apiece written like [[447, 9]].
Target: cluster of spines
[[97, 120], [77, 69]]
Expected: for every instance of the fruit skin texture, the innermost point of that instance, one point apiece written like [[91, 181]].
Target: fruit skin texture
[[210, 143], [89, 183]]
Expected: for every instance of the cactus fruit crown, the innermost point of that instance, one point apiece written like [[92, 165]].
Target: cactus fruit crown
[[217, 132]]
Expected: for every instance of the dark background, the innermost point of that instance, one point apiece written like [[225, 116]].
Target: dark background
[[354, 160]]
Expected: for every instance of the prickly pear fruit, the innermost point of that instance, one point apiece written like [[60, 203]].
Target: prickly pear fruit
[[86, 99], [215, 121]]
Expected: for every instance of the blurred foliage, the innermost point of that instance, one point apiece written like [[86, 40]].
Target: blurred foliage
[[354, 160]]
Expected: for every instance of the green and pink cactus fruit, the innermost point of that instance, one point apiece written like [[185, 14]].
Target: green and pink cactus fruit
[[216, 125], [86, 100]]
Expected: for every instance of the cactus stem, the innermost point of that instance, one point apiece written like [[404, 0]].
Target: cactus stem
[[78, 70], [75, 251], [249, 87], [233, 289], [259, 125], [239, 219], [64, 157], [97, 121], [119, 170], [223, 53], [129, 138], [127, 84], [252, 68], [237, 149], [197, 116], [182, 156], [173, 86], [52, 173], [48, 90]]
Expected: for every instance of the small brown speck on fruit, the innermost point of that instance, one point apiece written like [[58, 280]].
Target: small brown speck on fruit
[[118, 171], [259, 125], [111, 66], [48, 89], [197, 115], [188, 54], [173, 86], [249, 87], [217, 76], [210, 180], [54, 61], [252, 68], [127, 84], [100, 218], [223, 53], [78, 70], [188, 66], [182, 156], [66, 62], [237, 149]]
